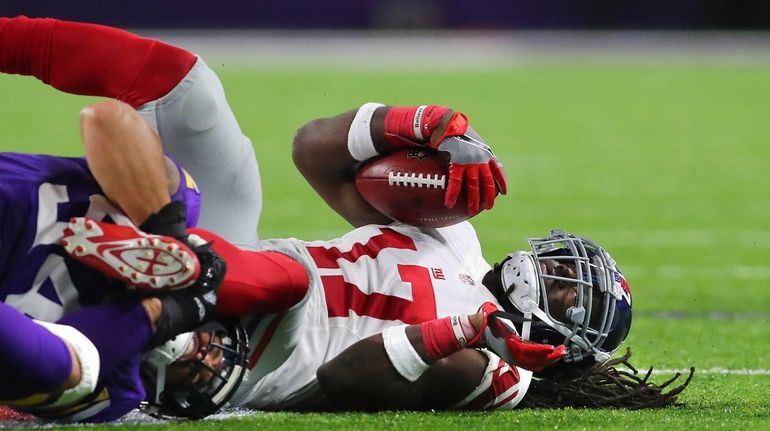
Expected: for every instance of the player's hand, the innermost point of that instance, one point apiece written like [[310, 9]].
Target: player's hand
[[186, 309], [500, 336], [472, 164]]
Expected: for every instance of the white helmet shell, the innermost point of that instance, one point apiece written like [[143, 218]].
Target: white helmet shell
[[521, 280]]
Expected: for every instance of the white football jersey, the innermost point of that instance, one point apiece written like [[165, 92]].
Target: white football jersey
[[374, 277]]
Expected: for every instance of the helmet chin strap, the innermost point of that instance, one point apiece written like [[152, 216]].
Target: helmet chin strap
[[571, 338]]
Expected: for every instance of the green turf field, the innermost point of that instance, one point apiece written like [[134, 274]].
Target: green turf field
[[667, 167]]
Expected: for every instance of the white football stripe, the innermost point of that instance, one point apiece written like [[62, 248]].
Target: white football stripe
[[714, 371], [684, 238]]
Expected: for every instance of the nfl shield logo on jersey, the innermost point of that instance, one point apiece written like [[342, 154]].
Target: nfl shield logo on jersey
[[466, 279]]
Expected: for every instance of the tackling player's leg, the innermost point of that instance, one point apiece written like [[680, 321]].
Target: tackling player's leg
[[175, 91]]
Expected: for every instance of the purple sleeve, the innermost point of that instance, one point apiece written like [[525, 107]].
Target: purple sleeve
[[33, 359], [118, 331], [188, 194], [125, 391]]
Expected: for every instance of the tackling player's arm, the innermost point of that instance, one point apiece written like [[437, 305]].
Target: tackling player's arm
[[328, 152], [100, 340], [126, 158]]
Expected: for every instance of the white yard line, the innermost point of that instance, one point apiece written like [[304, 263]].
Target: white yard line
[[704, 315], [687, 238], [713, 371], [683, 272]]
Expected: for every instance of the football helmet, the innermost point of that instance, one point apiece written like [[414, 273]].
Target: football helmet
[[194, 374], [600, 319]]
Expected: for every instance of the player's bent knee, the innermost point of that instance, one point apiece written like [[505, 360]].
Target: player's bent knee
[[205, 102]]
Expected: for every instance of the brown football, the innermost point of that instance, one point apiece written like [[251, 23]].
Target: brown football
[[408, 185]]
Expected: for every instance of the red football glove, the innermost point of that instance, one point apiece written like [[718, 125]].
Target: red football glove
[[500, 336], [472, 165]]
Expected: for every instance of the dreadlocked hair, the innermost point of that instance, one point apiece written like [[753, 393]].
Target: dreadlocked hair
[[602, 386]]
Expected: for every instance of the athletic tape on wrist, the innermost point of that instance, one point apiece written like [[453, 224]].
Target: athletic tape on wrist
[[401, 353], [360, 144], [88, 358], [443, 337]]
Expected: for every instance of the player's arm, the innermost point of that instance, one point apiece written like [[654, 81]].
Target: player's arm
[[78, 352], [126, 158], [363, 378], [328, 152], [434, 364], [321, 154]]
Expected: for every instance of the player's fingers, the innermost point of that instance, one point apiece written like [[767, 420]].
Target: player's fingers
[[454, 186], [534, 356], [488, 188], [472, 188], [558, 353], [499, 174]]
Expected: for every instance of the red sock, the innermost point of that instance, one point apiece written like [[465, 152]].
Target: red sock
[[91, 59], [257, 282]]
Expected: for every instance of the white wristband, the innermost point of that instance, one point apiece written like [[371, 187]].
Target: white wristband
[[360, 142], [401, 353], [417, 122]]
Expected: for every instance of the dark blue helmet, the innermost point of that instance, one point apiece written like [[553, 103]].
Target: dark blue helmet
[[599, 321]]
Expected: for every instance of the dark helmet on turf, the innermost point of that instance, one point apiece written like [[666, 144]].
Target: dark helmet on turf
[[194, 374], [599, 321]]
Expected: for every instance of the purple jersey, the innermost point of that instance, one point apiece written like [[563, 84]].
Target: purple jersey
[[38, 195]]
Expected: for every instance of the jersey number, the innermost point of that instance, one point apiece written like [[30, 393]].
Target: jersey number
[[54, 270], [342, 297]]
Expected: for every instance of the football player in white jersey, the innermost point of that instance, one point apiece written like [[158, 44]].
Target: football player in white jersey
[[417, 310], [401, 317]]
